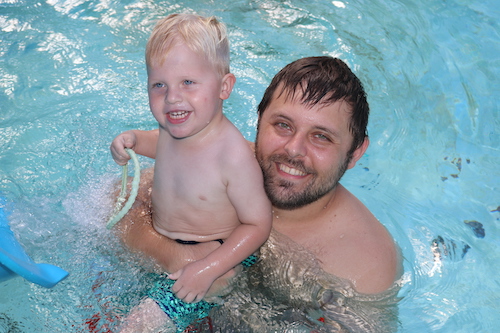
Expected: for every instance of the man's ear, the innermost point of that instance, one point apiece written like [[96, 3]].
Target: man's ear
[[228, 82], [358, 153]]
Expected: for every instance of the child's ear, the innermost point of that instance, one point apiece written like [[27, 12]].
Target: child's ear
[[228, 82]]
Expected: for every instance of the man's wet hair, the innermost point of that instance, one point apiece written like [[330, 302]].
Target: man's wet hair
[[322, 80]]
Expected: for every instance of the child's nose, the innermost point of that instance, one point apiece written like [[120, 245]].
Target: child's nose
[[173, 96]]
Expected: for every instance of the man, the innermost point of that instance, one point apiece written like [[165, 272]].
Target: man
[[312, 128], [327, 251]]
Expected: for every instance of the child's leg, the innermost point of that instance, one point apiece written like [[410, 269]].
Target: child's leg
[[147, 317]]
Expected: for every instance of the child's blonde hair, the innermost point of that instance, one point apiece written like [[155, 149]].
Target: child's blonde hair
[[204, 35]]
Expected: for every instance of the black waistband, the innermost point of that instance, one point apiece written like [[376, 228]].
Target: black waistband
[[180, 241]]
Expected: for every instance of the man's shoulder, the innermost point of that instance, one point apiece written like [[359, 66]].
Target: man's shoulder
[[374, 258], [369, 255]]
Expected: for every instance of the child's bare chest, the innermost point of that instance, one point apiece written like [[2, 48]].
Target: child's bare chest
[[191, 179]]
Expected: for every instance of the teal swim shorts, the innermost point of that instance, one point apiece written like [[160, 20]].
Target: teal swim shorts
[[183, 314]]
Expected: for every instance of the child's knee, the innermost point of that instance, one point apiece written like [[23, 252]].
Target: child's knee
[[147, 317]]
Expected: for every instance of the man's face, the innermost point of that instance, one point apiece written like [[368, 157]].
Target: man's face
[[303, 151]]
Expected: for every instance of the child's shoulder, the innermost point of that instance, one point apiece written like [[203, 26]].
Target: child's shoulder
[[231, 134], [234, 146]]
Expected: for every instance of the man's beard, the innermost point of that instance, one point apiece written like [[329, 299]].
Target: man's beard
[[282, 193]]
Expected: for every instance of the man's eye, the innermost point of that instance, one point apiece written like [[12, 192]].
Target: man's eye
[[282, 125], [158, 85], [322, 137]]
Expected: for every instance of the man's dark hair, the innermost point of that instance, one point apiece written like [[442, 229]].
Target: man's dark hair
[[322, 80]]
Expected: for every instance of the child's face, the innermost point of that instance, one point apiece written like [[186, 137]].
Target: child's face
[[185, 92]]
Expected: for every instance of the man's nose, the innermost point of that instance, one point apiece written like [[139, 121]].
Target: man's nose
[[296, 146]]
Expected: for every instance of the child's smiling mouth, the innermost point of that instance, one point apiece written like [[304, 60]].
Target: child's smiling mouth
[[177, 116]]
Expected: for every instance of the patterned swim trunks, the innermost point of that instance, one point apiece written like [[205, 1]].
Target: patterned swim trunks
[[183, 314]]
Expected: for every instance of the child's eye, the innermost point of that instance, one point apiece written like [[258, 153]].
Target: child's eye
[[158, 85], [188, 82]]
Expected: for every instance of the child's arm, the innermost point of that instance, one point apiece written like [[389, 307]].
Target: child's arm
[[246, 192], [142, 142]]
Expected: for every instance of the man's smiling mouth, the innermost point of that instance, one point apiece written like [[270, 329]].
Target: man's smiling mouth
[[290, 171]]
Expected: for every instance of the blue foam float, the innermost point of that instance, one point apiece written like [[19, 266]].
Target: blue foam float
[[15, 262]]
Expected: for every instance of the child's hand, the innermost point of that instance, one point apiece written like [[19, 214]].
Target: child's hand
[[122, 141], [193, 281]]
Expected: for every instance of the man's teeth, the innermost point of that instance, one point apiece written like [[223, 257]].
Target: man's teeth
[[178, 114], [291, 171]]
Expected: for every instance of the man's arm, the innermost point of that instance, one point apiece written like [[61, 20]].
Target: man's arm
[[137, 232]]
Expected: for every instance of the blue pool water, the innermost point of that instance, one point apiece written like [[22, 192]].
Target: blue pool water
[[72, 76]]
